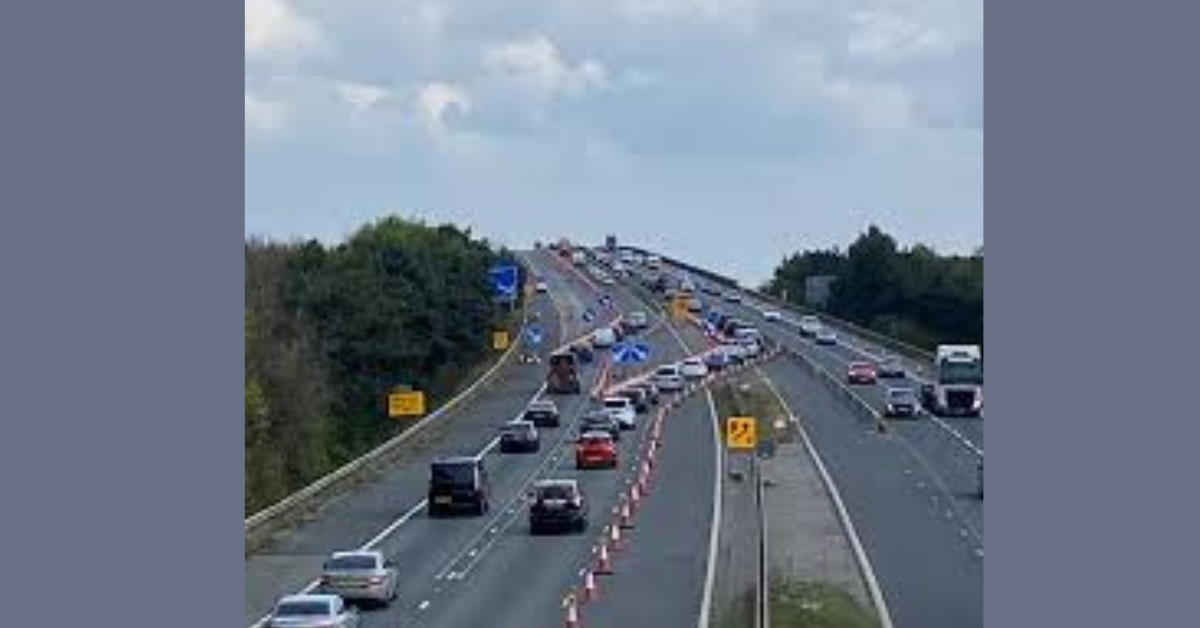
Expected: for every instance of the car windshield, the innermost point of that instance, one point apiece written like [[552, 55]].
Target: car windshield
[[595, 439], [348, 563], [900, 395], [302, 609], [616, 403], [453, 473], [518, 428]]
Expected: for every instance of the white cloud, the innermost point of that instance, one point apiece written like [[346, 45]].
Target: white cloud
[[435, 99], [537, 66], [362, 96], [264, 116], [903, 31], [273, 26]]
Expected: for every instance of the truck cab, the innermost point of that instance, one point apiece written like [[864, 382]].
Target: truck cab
[[957, 389]]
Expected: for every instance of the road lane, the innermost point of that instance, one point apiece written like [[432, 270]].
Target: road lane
[[918, 533]]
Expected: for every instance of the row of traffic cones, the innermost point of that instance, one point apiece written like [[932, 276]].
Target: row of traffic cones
[[613, 539]]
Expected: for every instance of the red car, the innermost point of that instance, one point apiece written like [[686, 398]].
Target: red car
[[861, 373], [595, 450]]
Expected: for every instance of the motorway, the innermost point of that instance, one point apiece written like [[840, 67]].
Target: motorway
[[910, 492], [489, 571]]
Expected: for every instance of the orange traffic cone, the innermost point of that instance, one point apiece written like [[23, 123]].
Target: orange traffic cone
[[604, 564], [626, 516], [572, 614], [590, 590]]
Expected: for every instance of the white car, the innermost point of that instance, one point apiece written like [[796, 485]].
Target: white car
[[604, 337], [734, 350], [693, 368], [621, 409], [668, 378], [772, 316], [313, 611], [359, 575], [826, 336], [733, 297], [809, 325], [542, 287], [638, 319], [750, 347]]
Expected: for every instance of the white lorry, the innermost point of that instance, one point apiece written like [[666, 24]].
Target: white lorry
[[957, 386]]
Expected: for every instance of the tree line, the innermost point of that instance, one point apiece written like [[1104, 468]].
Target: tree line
[[912, 294], [331, 329]]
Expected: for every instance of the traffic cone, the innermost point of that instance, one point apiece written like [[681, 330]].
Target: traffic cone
[[572, 614], [615, 537], [604, 563], [626, 516], [635, 496], [590, 590]]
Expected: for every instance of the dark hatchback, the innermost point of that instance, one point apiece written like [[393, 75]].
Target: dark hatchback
[[600, 421], [557, 505], [458, 484]]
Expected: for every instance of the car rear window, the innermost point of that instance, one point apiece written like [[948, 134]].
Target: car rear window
[[351, 562], [302, 609], [453, 473], [616, 403], [596, 439], [555, 491]]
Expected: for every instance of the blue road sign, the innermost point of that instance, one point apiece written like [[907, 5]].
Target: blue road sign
[[533, 335], [630, 352], [504, 279]]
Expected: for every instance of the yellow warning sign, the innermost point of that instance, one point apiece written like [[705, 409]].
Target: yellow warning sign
[[679, 306], [741, 432], [406, 404], [500, 340]]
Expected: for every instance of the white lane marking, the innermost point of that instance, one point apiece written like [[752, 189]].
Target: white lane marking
[[864, 563], [714, 530], [395, 524], [423, 605]]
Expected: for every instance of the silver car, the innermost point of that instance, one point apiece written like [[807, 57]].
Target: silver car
[[360, 575], [313, 611]]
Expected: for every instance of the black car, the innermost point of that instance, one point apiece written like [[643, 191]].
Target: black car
[[637, 396], [901, 402], [557, 505], [583, 352], [519, 437], [650, 391], [890, 368], [458, 484], [542, 413], [600, 421]]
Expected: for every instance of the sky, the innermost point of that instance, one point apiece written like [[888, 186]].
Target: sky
[[729, 133]]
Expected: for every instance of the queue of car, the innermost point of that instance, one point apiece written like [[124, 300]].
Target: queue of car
[[460, 484]]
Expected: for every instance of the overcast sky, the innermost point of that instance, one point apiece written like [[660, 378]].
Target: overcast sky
[[726, 132]]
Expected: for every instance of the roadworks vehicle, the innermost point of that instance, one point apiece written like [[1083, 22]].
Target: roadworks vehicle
[[563, 378]]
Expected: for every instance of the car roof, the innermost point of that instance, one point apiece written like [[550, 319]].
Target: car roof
[[456, 460], [596, 434], [861, 365], [327, 598], [519, 423], [543, 403], [555, 482], [616, 398], [354, 553], [899, 390]]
